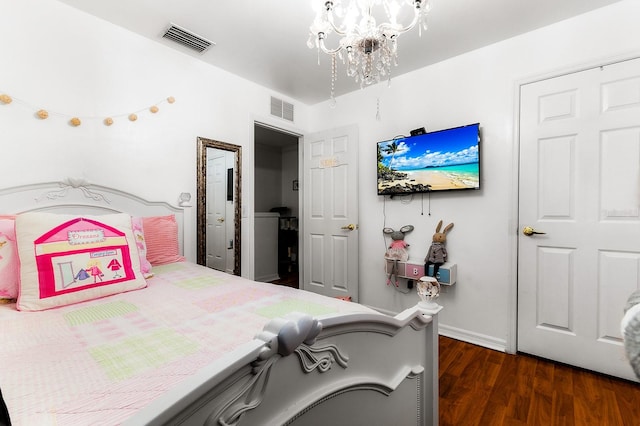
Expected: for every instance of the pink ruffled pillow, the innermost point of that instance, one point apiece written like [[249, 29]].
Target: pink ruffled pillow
[[9, 260], [161, 236], [138, 234]]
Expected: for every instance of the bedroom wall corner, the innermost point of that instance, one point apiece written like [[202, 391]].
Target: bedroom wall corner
[[73, 64], [479, 86]]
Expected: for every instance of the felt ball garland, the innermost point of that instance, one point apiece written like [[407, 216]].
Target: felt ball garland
[[76, 121]]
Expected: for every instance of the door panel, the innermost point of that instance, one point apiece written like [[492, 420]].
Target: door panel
[[330, 205], [580, 184], [216, 212]]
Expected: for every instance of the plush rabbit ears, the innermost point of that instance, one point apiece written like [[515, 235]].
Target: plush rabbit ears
[[446, 228]]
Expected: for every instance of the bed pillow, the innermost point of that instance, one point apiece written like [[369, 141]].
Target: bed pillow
[[141, 244], [9, 261], [161, 235], [66, 259]]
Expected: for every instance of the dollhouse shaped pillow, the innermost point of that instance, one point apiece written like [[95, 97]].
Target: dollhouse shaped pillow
[[68, 259]]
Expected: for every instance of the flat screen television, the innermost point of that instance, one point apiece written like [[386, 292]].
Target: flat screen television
[[444, 160]]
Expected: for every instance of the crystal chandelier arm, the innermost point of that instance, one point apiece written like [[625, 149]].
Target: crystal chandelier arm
[[324, 48], [398, 31], [334, 27], [370, 50]]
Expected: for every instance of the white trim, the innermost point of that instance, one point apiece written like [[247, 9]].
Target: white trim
[[578, 67], [512, 308], [479, 339], [248, 188]]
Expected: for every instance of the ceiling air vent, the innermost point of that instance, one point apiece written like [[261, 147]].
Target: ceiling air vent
[[281, 109], [187, 38]]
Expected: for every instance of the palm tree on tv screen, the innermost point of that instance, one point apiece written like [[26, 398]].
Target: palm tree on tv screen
[[391, 149]]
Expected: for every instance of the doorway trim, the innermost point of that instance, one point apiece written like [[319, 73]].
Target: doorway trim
[[514, 226], [248, 243]]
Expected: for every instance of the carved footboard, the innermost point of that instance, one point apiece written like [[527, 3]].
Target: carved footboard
[[354, 369]]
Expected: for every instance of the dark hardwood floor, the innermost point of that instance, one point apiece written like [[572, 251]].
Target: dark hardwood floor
[[289, 279], [480, 386]]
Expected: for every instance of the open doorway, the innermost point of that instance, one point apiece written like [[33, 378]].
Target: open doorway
[[277, 209]]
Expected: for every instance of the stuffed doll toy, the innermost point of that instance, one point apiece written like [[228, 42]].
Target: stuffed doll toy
[[437, 253], [397, 251]]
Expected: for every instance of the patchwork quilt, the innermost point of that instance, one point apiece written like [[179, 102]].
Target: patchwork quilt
[[100, 361]]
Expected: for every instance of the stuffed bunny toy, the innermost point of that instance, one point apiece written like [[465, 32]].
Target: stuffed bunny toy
[[397, 251], [437, 253]]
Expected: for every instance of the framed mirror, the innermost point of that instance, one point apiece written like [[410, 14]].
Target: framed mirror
[[218, 205]]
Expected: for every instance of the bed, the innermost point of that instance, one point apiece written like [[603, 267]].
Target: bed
[[185, 344]]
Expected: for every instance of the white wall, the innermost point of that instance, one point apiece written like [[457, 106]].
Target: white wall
[[70, 63], [476, 87], [58, 58], [268, 177], [275, 169], [289, 174]]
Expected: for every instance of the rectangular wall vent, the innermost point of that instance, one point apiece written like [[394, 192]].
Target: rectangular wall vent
[[187, 38], [282, 109]]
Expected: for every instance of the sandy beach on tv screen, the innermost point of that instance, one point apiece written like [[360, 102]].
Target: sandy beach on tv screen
[[438, 180]]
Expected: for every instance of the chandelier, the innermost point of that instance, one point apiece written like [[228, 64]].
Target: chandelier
[[367, 49]]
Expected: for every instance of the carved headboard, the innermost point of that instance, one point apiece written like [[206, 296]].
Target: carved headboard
[[78, 196]]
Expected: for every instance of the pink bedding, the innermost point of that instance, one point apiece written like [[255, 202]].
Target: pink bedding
[[98, 362]]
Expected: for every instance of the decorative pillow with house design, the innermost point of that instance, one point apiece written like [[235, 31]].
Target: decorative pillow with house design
[[68, 259]]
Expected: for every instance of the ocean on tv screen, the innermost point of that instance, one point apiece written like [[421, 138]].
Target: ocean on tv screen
[[436, 161]]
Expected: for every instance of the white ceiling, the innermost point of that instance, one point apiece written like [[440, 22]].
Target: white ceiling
[[266, 41]]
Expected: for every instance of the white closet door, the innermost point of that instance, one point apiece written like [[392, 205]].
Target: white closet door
[[580, 184]]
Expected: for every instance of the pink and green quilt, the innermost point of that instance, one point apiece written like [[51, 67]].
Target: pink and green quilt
[[100, 361]]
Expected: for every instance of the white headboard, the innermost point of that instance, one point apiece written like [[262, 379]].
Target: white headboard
[[77, 196]]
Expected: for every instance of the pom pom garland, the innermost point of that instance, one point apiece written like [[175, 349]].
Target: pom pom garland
[[76, 121]]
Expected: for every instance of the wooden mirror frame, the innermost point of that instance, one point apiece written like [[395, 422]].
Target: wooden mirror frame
[[201, 181]]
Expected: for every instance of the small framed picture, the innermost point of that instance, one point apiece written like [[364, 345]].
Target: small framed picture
[[295, 185]]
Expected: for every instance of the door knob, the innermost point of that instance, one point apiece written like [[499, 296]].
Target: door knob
[[220, 219], [350, 227], [529, 231]]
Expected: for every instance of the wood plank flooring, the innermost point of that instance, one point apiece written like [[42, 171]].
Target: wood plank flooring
[[480, 386], [290, 280]]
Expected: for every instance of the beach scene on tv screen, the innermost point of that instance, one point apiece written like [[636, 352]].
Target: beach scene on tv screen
[[436, 161]]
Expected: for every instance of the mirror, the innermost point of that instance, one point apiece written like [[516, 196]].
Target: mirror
[[218, 205]]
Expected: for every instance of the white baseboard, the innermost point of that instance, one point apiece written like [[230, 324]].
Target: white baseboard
[[473, 337], [463, 335], [267, 278]]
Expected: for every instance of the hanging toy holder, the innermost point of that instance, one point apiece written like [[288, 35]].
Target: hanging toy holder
[[397, 251]]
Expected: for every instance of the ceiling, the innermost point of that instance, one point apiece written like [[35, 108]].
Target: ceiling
[[266, 41]]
